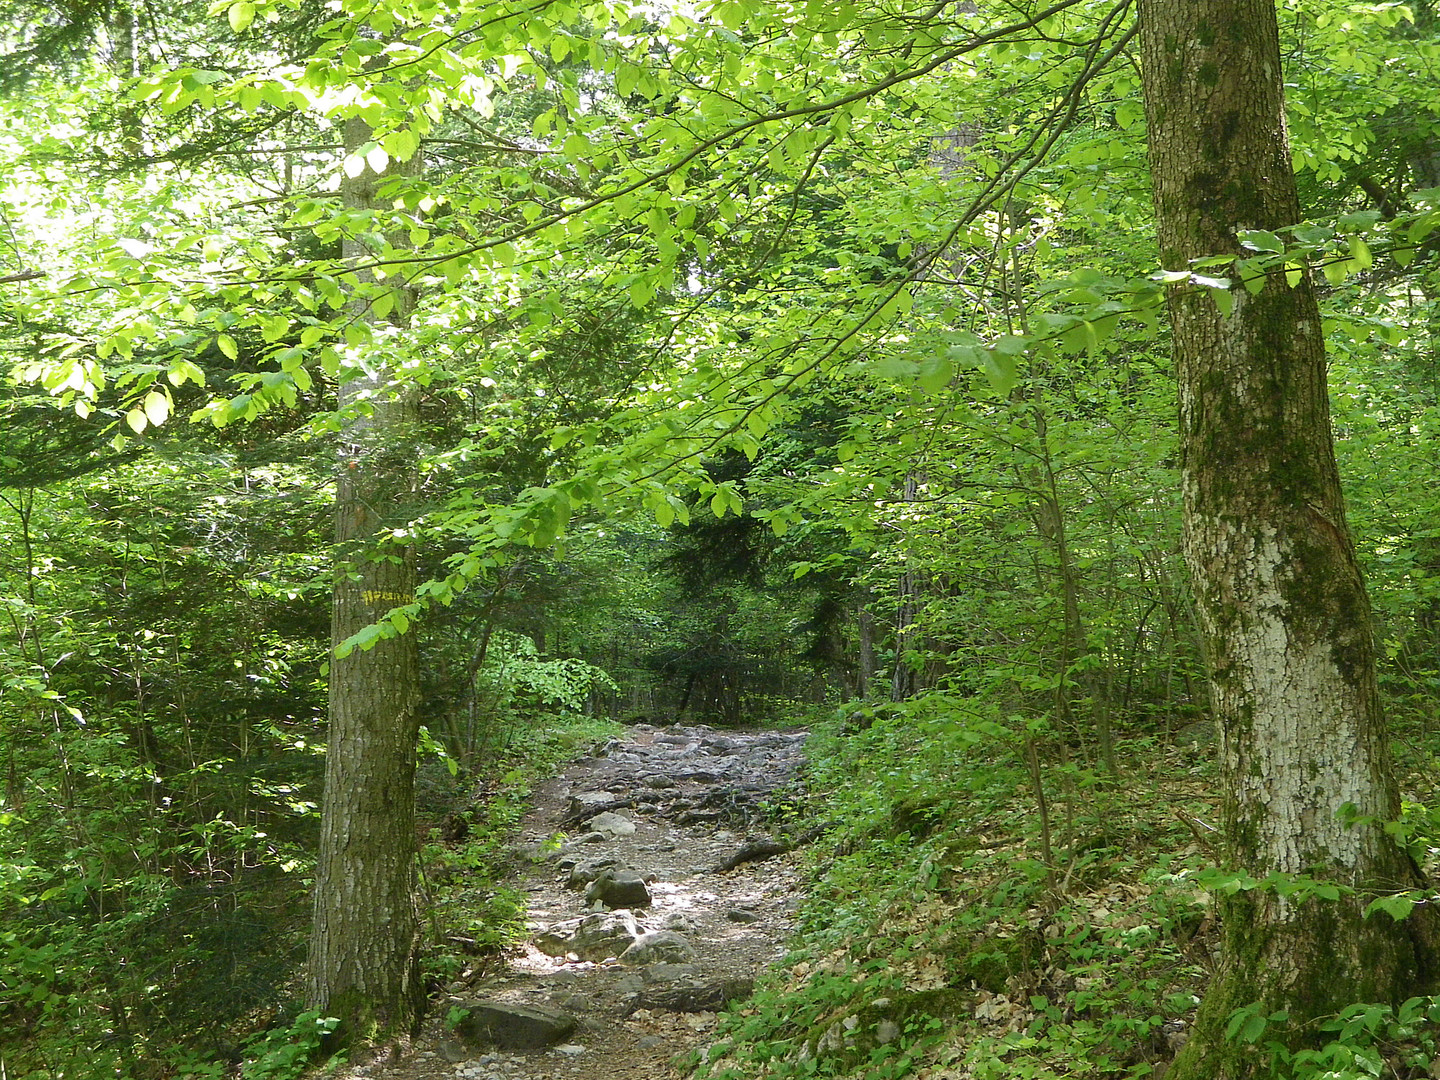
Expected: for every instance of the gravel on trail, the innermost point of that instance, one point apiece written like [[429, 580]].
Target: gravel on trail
[[669, 821]]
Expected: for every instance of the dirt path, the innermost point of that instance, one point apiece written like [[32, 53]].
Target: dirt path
[[692, 796]]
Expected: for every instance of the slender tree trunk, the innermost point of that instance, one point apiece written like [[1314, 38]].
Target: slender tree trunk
[[125, 64], [364, 943], [905, 680], [1282, 606], [865, 628]]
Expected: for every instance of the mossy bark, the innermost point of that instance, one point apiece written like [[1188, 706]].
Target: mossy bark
[[1281, 601], [364, 946]]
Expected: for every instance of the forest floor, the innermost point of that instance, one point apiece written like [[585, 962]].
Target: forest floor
[[694, 797]]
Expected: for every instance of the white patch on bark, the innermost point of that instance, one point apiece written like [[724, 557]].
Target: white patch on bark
[[1303, 759]]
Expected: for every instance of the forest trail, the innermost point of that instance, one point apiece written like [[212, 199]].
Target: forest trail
[[656, 814]]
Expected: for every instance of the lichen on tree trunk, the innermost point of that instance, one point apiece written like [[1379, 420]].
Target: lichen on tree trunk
[[1281, 601]]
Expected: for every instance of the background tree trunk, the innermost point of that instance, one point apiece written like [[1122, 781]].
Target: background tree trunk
[[364, 943], [1282, 605]]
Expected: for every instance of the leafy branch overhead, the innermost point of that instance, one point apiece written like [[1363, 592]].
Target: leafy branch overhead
[[411, 390]]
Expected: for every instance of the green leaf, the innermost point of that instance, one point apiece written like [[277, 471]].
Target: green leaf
[[1397, 907], [1208, 282], [641, 293], [1223, 300], [227, 345], [241, 15], [1000, 370], [895, 367], [1360, 253], [136, 421], [1260, 240], [156, 406], [935, 373]]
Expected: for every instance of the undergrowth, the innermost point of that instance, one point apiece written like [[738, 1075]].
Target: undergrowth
[[938, 942], [178, 975], [955, 929]]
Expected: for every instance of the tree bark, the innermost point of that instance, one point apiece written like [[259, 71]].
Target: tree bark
[[1282, 605], [365, 938]]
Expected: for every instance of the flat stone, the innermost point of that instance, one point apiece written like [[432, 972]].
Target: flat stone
[[703, 995], [586, 800], [514, 1027], [611, 824]]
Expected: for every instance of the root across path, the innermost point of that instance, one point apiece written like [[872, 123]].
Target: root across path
[[656, 896]]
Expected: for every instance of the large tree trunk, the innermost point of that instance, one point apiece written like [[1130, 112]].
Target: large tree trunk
[[364, 943], [1282, 605]]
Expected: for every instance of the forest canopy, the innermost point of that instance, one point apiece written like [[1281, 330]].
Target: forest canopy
[[397, 393]]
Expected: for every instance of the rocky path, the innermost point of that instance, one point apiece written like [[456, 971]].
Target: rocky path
[[665, 900]]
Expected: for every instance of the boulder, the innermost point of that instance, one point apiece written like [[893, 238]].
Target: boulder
[[619, 889], [610, 933], [582, 873], [589, 800], [513, 1027], [611, 824], [662, 946], [694, 995]]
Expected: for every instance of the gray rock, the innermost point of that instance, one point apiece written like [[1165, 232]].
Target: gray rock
[[742, 915], [610, 933], [619, 889], [663, 945], [753, 851], [454, 1051], [612, 824], [585, 800], [705, 995], [660, 780], [514, 1027], [584, 872], [555, 940], [663, 972]]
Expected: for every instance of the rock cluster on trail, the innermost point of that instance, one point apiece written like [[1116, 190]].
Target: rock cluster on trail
[[656, 896]]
